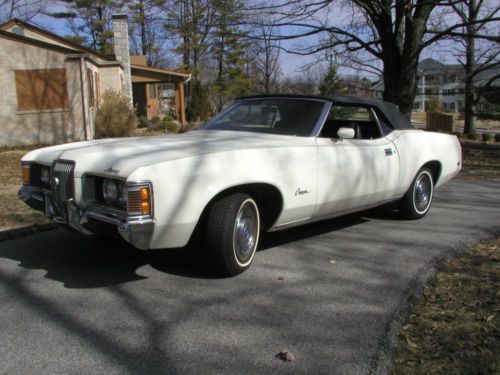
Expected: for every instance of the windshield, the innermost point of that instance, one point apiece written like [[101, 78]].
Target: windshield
[[276, 116]]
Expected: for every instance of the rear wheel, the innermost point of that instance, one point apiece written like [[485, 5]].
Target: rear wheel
[[232, 233], [417, 200]]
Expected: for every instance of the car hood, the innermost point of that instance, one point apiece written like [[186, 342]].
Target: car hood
[[121, 156]]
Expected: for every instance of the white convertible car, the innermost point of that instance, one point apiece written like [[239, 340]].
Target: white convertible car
[[265, 163]]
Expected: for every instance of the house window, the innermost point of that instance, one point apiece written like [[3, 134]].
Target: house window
[[41, 89], [152, 91]]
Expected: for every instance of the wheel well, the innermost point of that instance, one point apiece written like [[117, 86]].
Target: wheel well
[[268, 199], [435, 168]]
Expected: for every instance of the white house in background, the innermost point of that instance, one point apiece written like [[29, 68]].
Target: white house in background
[[444, 80]]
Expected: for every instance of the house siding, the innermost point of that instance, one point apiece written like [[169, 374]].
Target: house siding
[[37, 127]]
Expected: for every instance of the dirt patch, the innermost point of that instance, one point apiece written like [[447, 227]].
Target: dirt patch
[[455, 327]]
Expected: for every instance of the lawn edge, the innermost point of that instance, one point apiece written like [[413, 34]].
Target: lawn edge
[[382, 361], [11, 234]]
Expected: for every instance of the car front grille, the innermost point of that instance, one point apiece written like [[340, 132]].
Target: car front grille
[[62, 172]]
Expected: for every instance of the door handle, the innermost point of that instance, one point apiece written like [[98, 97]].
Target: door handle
[[388, 152]]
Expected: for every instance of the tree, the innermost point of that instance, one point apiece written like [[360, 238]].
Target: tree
[[479, 56], [24, 10], [266, 65], [229, 51], [391, 33], [192, 22], [199, 108], [331, 84], [90, 21], [147, 32]]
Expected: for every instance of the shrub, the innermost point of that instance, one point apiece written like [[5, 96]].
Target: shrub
[[497, 137], [155, 120], [173, 127], [143, 122], [473, 136], [486, 137], [115, 117], [459, 135], [434, 104]]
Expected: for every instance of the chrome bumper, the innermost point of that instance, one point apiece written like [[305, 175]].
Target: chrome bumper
[[135, 230]]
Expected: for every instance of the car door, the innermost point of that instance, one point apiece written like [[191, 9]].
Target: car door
[[358, 172]]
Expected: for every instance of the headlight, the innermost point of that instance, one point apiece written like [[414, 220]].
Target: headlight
[[45, 176], [123, 196], [110, 191]]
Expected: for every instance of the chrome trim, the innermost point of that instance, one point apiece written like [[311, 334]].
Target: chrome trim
[[137, 230], [322, 119], [138, 184], [374, 114]]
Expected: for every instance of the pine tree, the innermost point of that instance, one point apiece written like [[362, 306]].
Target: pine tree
[[229, 51], [331, 84], [90, 22]]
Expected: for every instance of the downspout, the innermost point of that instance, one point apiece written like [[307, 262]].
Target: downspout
[[84, 102], [186, 98]]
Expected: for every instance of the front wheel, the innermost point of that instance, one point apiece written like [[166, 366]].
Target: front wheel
[[232, 233], [417, 200]]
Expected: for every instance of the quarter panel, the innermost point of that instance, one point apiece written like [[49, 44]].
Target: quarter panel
[[417, 147]]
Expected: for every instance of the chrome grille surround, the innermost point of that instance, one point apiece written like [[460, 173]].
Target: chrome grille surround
[[134, 199], [62, 182]]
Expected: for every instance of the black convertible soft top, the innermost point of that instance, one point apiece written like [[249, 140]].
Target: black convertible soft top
[[389, 110]]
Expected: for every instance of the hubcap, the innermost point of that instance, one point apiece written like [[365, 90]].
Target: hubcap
[[422, 192], [245, 232]]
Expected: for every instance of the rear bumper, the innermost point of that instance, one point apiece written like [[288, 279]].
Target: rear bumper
[[137, 231]]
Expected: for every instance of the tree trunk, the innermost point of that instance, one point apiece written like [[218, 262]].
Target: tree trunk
[[469, 100], [400, 80]]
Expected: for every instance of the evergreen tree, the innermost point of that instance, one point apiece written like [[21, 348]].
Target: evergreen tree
[[147, 32], [90, 22], [199, 107], [229, 51], [331, 84]]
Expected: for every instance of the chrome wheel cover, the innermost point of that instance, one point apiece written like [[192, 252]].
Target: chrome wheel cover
[[422, 192], [246, 232]]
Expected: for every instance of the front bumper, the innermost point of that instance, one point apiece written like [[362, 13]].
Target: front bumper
[[135, 230]]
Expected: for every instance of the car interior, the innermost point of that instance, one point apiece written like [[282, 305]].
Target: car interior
[[361, 119]]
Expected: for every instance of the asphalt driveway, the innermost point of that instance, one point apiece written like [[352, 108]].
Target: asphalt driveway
[[331, 293]]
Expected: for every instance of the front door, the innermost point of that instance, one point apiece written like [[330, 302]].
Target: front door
[[358, 172]]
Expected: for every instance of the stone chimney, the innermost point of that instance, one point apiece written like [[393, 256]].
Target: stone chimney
[[120, 35]]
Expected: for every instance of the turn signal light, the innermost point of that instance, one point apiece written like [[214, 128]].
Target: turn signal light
[[139, 200], [26, 174], [145, 208]]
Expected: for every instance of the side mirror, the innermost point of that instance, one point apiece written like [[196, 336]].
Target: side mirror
[[346, 133]]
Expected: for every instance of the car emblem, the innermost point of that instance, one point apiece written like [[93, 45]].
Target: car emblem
[[54, 182], [112, 171], [301, 192]]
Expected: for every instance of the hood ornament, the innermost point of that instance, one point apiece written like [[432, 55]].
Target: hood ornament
[[111, 170]]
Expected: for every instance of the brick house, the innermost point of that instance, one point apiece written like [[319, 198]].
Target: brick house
[[51, 87]]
